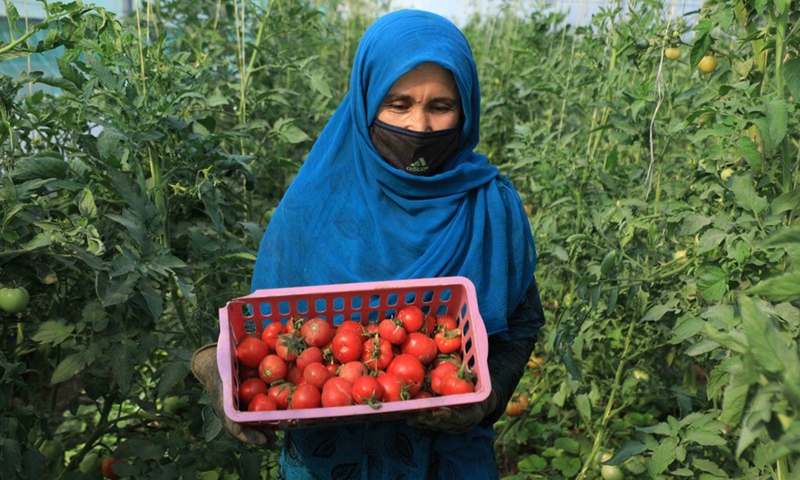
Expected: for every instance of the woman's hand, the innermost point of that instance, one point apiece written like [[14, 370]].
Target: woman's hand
[[204, 367], [455, 420]]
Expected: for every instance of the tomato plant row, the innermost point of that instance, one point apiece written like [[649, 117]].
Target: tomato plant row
[[310, 363]]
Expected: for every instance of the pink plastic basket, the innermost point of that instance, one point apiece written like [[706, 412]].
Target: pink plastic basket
[[364, 302]]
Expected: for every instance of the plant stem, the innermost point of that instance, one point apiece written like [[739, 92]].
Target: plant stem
[[598, 439], [141, 52]]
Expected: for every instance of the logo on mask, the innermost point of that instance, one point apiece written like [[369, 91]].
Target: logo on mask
[[418, 167]]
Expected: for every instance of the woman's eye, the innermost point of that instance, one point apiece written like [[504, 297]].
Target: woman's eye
[[398, 107]]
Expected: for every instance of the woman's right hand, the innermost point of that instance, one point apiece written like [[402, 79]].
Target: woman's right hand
[[204, 367]]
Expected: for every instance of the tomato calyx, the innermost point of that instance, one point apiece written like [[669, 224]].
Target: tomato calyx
[[290, 345]]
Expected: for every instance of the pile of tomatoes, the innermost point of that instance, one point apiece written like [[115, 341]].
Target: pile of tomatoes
[[310, 363]]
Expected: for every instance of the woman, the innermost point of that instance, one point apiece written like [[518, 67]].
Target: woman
[[393, 190]]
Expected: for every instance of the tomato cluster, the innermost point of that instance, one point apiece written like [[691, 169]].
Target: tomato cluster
[[309, 363]]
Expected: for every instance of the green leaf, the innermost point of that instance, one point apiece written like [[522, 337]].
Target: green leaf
[[123, 364], [62, 83], [319, 84], [791, 73], [704, 437], [766, 344], [746, 196], [712, 282], [747, 435], [626, 451], [169, 375], [786, 202], [212, 426], [86, 204], [783, 288], [70, 366], [155, 303], [710, 239], [734, 399], [45, 165], [12, 16], [777, 120], [53, 332], [785, 236], [566, 444], [584, 408], [749, 150], [293, 134], [656, 312], [685, 328], [663, 456], [119, 291], [532, 463], [694, 223]]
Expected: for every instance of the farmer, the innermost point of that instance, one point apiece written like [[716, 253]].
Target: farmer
[[393, 190]]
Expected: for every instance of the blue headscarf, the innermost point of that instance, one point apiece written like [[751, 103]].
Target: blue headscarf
[[351, 217]]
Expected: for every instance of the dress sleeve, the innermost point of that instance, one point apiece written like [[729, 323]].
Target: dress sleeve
[[509, 352]]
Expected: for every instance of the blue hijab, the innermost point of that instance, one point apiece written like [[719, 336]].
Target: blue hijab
[[349, 216]]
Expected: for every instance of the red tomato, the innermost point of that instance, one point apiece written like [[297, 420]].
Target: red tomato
[[352, 326], [410, 370], [307, 356], [371, 329], [247, 372], [448, 341], [316, 374], [280, 392], [351, 371], [438, 373], [107, 467], [304, 396], [446, 322], [333, 368], [294, 375], [411, 317], [271, 332], [249, 389], [272, 368], [377, 353], [421, 346], [454, 357], [392, 330], [422, 394], [316, 332], [393, 388], [367, 390], [295, 324], [262, 403], [337, 392], [251, 351], [429, 326], [346, 346], [453, 384]]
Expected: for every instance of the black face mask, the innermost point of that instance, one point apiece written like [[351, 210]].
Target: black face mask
[[418, 153]]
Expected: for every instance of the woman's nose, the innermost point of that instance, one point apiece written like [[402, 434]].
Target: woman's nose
[[419, 122]]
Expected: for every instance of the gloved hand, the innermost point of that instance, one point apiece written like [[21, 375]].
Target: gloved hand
[[454, 420], [204, 367]]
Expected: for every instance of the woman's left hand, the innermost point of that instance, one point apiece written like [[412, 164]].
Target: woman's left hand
[[454, 420]]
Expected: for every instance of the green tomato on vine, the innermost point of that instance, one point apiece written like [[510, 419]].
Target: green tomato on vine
[[14, 300]]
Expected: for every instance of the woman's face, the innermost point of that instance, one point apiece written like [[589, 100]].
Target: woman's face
[[425, 99]]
